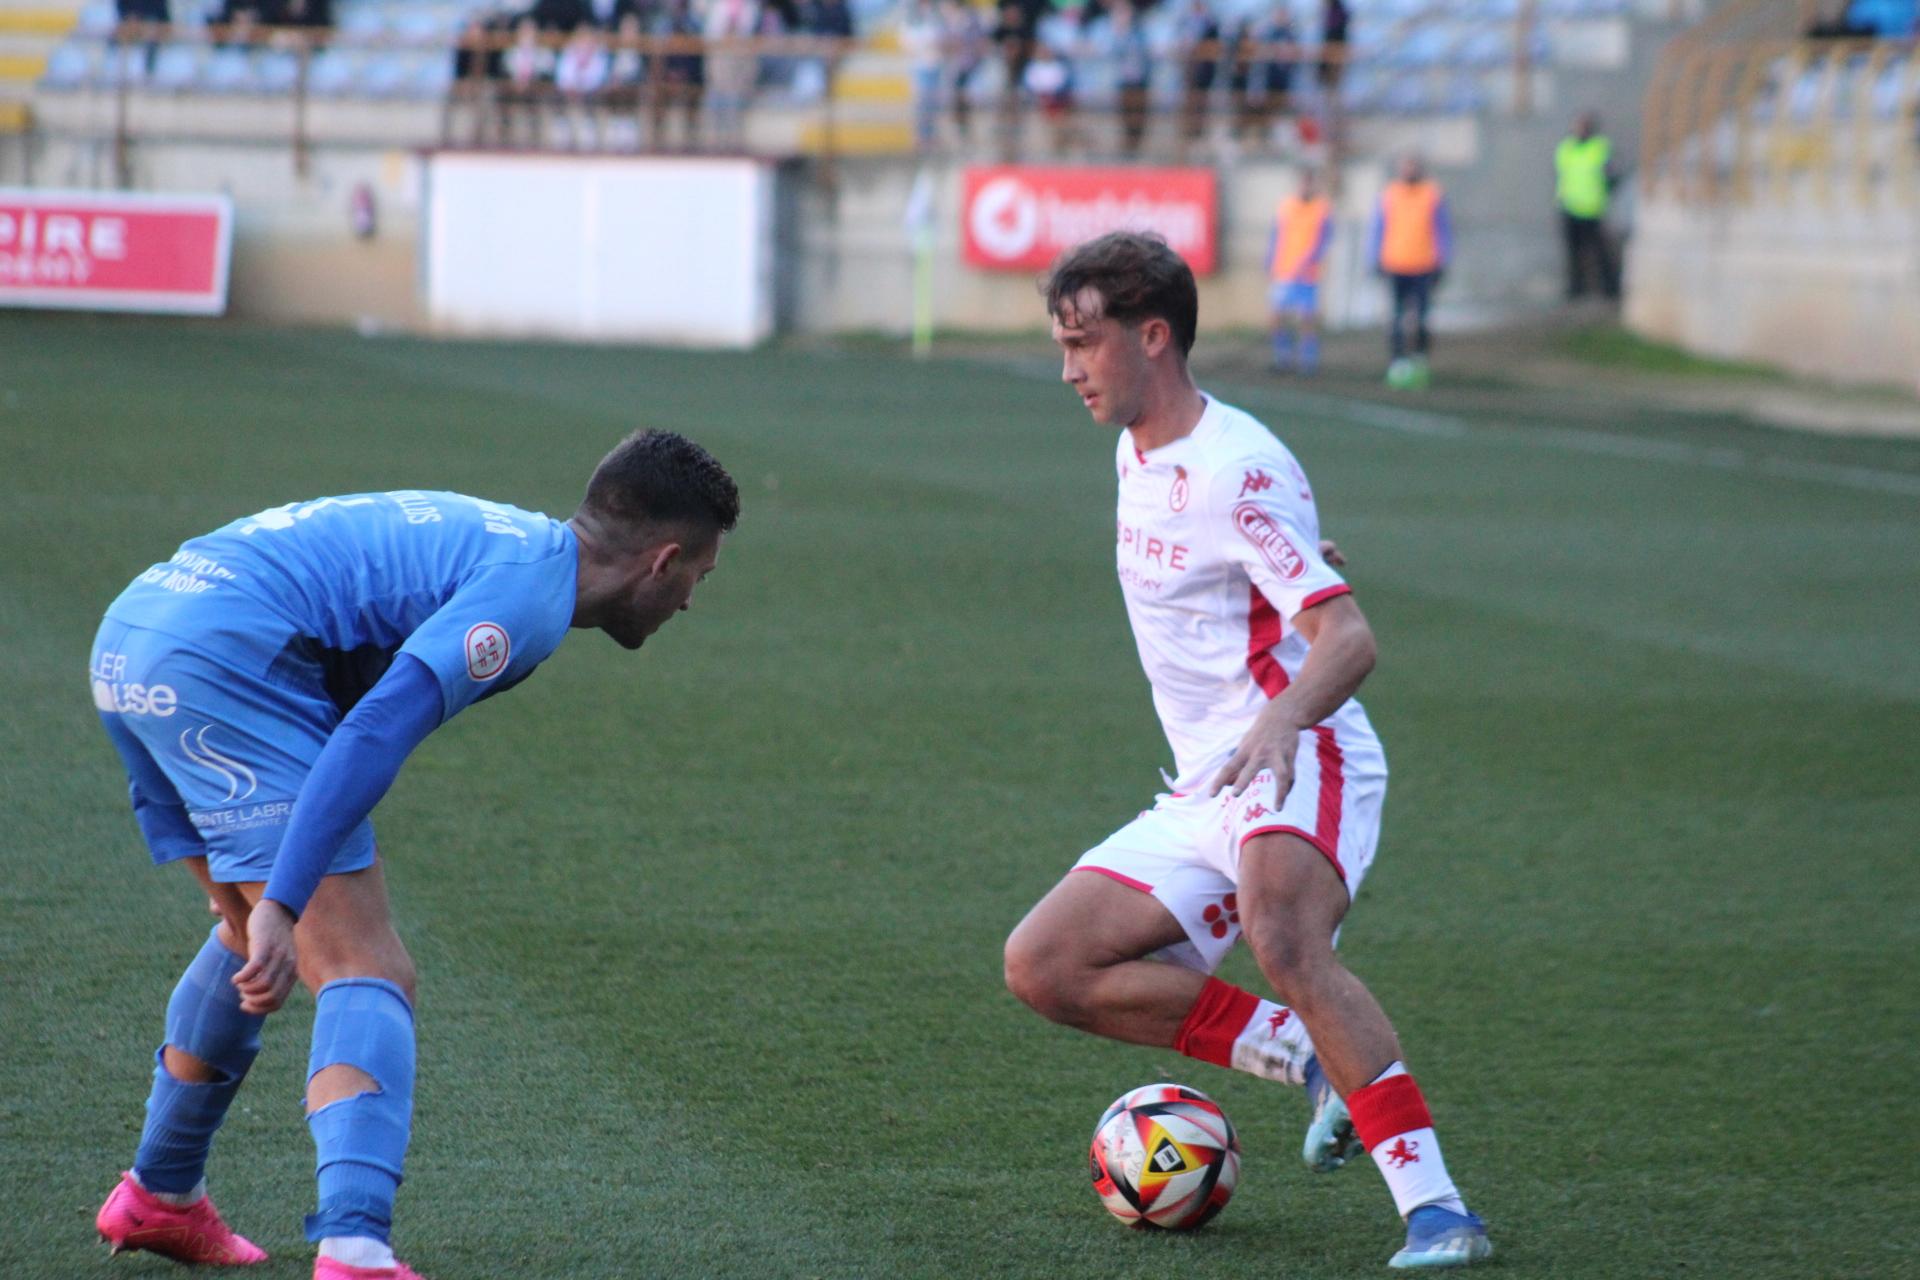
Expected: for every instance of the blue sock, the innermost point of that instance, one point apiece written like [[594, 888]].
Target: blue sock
[[1310, 354], [203, 1019], [360, 1142], [1283, 346]]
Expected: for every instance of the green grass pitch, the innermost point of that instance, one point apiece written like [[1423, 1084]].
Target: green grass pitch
[[710, 935]]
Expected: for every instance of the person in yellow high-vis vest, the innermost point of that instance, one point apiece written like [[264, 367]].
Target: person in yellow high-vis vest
[[1409, 243], [1302, 226], [1584, 177]]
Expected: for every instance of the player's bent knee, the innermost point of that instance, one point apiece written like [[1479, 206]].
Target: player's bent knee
[[1036, 976], [1291, 957]]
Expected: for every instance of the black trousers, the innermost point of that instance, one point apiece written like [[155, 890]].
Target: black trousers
[[1587, 244], [1412, 296]]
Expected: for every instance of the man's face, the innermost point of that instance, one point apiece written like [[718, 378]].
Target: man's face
[[659, 583], [1103, 360]]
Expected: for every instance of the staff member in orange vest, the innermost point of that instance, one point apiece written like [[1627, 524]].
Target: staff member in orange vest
[[1410, 243], [1302, 226]]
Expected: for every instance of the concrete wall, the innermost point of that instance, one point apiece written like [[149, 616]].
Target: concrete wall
[[1827, 292]]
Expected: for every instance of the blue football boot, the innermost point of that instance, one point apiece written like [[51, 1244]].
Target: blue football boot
[[1439, 1237], [1331, 1141]]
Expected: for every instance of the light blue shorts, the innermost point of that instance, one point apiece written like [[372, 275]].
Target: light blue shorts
[[215, 752], [1294, 296]]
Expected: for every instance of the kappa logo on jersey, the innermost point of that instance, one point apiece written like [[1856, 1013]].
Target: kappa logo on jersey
[[1178, 498], [487, 650], [1402, 1154], [1255, 482], [1264, 532], [1276, 1021], [193, 745], [1255, 811], [1221, 915]]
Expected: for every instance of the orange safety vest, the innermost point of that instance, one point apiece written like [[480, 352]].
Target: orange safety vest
[[1408, 243], [1297, 226]]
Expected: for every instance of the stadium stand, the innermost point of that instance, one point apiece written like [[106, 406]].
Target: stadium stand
[[1780, 191]]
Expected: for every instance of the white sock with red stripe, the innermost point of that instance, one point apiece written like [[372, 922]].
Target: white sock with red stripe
[[1233, 1028], [1392, 1120]]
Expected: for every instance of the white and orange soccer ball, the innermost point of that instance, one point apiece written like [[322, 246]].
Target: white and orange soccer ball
[[1165, 1156]]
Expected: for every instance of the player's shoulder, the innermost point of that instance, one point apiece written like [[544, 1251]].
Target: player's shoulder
[[1236, 440]]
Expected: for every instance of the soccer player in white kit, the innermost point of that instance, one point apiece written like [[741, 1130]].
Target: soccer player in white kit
[[1254, 647]]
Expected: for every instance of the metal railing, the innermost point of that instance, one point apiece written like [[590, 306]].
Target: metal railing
[[692, 92], [1772, 120]]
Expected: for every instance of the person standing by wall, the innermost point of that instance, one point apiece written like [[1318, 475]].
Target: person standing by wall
[[1302, 226], [1584, 177], [1410, 242]]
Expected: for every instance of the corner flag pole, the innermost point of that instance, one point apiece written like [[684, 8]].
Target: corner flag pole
[[919, 219]]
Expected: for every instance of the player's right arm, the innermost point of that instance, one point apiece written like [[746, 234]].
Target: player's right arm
[[349, 777]]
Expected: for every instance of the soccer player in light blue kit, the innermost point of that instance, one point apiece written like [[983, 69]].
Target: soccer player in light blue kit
[[263, 687]]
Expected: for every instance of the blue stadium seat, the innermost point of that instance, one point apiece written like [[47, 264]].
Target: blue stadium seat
[[177, 66], [333, 73], [72, 66], [97, 18], [228, 71]]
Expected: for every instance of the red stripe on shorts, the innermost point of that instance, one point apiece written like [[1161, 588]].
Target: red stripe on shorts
[[1333, 782], [1128, 881]]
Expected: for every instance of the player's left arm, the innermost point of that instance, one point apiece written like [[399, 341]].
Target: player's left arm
[[1341, 655]]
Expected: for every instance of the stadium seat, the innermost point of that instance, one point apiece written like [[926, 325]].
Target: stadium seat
[[275, 71], [97, 18], [228, 71], [333, 73], [72, 66], [177, 66]]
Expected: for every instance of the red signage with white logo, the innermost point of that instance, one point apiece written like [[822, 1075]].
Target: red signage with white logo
[[113, 251], [1018, 218]]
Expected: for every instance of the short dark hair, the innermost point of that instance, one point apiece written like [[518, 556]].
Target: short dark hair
[[660, 475], [1137, 275]]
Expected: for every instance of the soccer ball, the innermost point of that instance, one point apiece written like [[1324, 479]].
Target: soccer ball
[[1165, 1156]]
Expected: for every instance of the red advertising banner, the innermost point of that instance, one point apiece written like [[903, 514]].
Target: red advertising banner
[[114, 251], [1018, 218]]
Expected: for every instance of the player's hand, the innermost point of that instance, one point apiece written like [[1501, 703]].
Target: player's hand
[[1330, 552], [1265, 749], [267, 977]]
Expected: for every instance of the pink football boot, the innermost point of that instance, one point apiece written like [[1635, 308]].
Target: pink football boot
[[328, 1269], [132, 1219]]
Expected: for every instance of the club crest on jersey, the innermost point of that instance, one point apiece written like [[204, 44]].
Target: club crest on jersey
[[1178, 498], [1263, 532], [1255, 482], [487, 650]]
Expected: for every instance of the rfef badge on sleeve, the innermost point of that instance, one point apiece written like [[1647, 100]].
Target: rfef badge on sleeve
[[487, 650]]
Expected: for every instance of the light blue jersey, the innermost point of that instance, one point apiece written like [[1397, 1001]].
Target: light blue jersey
[[479, 591], [222, 673]]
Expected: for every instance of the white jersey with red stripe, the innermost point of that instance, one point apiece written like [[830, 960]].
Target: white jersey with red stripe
[[1218, 550]]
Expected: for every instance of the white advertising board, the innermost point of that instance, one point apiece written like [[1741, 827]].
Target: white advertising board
[[673, 251]]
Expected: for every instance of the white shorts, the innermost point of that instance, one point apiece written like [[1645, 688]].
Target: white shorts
[[1185, 851]]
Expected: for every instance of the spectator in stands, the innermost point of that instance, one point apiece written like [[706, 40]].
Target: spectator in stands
[[731, 71], [1584, 176], [528, 69], [681, 77], [923, 34], [607, 15], [1262, 80], [1410, 243], [313, 14], [1132, 73], [965, 50], [579, 74], [559, 15], [810, 78], [1199, 37], [1333, 47], [1302, 227], [1013, 35], [144, 11]]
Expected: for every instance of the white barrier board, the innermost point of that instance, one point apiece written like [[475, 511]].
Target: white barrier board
[[674, 251]]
